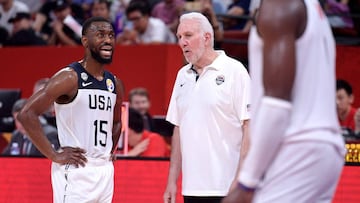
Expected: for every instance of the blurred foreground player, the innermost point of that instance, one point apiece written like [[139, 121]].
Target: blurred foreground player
[[87, 104], [296, 152]]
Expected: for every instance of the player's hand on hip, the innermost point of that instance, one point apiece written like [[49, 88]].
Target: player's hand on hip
[[170, 193], [71, 155]]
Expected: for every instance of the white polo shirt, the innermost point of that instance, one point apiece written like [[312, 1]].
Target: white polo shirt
[[209, 113]]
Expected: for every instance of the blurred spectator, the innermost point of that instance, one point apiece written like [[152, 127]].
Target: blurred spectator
[[236, 8], [20, 144], [345, 110], [219, 6], [354, 6], [208, 10], [142, 142], [169, 12], [85, 5], [140, 101], [101, 8], [144, 29], [206, 7], [49, 115], [357, 123], [118, 6], [254, 5], [34, 5], [66, 30], [8, 9], [23, 34], [4, 35], [338, 13], [46, 15]]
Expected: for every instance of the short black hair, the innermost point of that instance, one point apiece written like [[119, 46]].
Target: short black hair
[[343, 84], [91, 20], [142, 6], [136, 122]]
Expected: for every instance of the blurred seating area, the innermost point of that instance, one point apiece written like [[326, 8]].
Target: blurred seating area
[[58, 22]]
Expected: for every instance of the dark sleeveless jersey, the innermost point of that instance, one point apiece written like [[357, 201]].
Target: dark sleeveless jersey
[[87, 121]]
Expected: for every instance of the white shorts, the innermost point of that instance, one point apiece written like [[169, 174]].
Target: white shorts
[[93, 183], [303, 172]]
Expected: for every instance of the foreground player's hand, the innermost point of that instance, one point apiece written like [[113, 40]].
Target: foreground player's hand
[[71, 155], [238, 195], [170, 193]]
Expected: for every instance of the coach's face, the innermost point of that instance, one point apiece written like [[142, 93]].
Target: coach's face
[[101, 41], [191, 40]]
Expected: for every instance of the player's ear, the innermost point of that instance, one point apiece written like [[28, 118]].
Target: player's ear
[[84, 41]]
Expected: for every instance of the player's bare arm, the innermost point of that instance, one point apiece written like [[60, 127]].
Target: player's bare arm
[[61, 88], [117, 115], [279, 28]]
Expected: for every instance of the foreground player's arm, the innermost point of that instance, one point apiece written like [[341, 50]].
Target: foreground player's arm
[[175, 168], [279, 34], [117, 115], [61, 88], [279, 23]]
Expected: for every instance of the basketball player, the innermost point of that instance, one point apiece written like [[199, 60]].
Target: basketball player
[[209, 108], [296, 152], [87, 107]]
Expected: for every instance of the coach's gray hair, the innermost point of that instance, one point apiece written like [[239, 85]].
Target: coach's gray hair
[[204, 24]]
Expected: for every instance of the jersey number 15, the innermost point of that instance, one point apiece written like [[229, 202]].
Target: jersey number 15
[[100, 133]]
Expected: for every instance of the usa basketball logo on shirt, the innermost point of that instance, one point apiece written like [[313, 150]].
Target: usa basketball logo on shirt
[[110, 85]]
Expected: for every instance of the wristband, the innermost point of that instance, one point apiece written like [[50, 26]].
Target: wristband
[[245, 188]]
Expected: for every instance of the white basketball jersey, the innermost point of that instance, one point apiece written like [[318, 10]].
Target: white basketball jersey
[[87, 121], [313, 93]]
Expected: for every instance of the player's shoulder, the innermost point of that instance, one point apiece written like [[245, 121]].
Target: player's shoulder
[[67, 72]]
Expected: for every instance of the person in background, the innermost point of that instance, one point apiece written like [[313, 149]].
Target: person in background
[[46, 19], [236, 8], [207, 10], [345, 110], [169, 11], [338, 12], [139, 99], [144, 29], [101, 8], [20, 144], [23, 34], [357, 124], [209, 107], [4, 35], [66, 30], [142, 142], [8, 9], [294, 131]]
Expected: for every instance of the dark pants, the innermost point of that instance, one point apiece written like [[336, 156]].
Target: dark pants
[[191, 199]]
